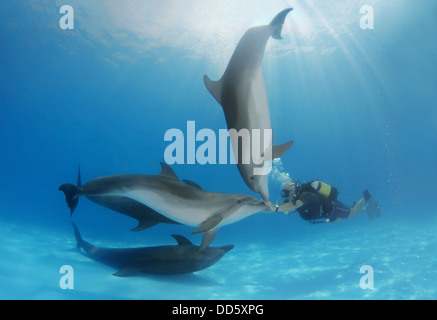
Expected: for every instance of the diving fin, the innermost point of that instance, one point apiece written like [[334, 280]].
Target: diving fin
[[372, 206], [373, 209]]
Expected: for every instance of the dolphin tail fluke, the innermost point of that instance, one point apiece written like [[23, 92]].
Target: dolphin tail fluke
[[82, 244], [71, 196], [78, 237], [214, 87], [278, 22]]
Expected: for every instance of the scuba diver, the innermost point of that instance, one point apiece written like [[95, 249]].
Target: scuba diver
[[317, 202]]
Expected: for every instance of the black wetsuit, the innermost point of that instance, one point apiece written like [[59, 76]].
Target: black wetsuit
[[318, 208]]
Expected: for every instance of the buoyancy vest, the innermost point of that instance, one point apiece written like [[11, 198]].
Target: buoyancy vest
[[317, 197]]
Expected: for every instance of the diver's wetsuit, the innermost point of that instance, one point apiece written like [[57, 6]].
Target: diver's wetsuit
[[317, 207]]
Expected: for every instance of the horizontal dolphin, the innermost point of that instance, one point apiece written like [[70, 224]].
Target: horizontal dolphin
[[163, 260], [242, 93], [178, 201]]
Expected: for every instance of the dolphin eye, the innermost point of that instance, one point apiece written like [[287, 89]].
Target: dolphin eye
[[252, 178]]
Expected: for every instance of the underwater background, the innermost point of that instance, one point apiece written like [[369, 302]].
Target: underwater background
[[360, 105]]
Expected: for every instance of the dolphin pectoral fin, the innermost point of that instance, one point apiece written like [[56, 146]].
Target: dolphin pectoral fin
[[214, 87], [214, 220], [145, 224], [209, 224], [125, 272], [278, 22], [278, 151], [208, 237]]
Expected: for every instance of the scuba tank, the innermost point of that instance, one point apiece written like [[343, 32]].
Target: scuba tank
[[322, 188]]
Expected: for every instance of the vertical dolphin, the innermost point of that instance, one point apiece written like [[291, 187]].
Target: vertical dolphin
[[242, 94]]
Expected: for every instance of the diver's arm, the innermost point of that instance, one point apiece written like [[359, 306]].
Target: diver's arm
[[290, 206]]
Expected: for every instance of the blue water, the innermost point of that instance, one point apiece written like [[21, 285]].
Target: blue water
[[359, 104]]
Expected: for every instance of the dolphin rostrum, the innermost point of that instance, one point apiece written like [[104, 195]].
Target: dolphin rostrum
[[242, 94], [178, 201], [163, 260]]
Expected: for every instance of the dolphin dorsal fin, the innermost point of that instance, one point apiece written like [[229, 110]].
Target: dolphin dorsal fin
[[168, 172], [181, 240], [214, 87], [192, 183]]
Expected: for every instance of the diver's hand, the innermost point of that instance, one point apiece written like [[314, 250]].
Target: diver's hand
[[270, 207], [289, 206]]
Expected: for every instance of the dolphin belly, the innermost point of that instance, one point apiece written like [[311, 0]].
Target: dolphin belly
[[178, 211]]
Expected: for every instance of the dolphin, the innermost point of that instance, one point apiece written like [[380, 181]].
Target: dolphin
[[242, 94], [178, 201], [163, 260]]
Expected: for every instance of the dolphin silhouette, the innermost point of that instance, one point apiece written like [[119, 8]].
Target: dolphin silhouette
[[178, 201], [163, 260], [242, 94]]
